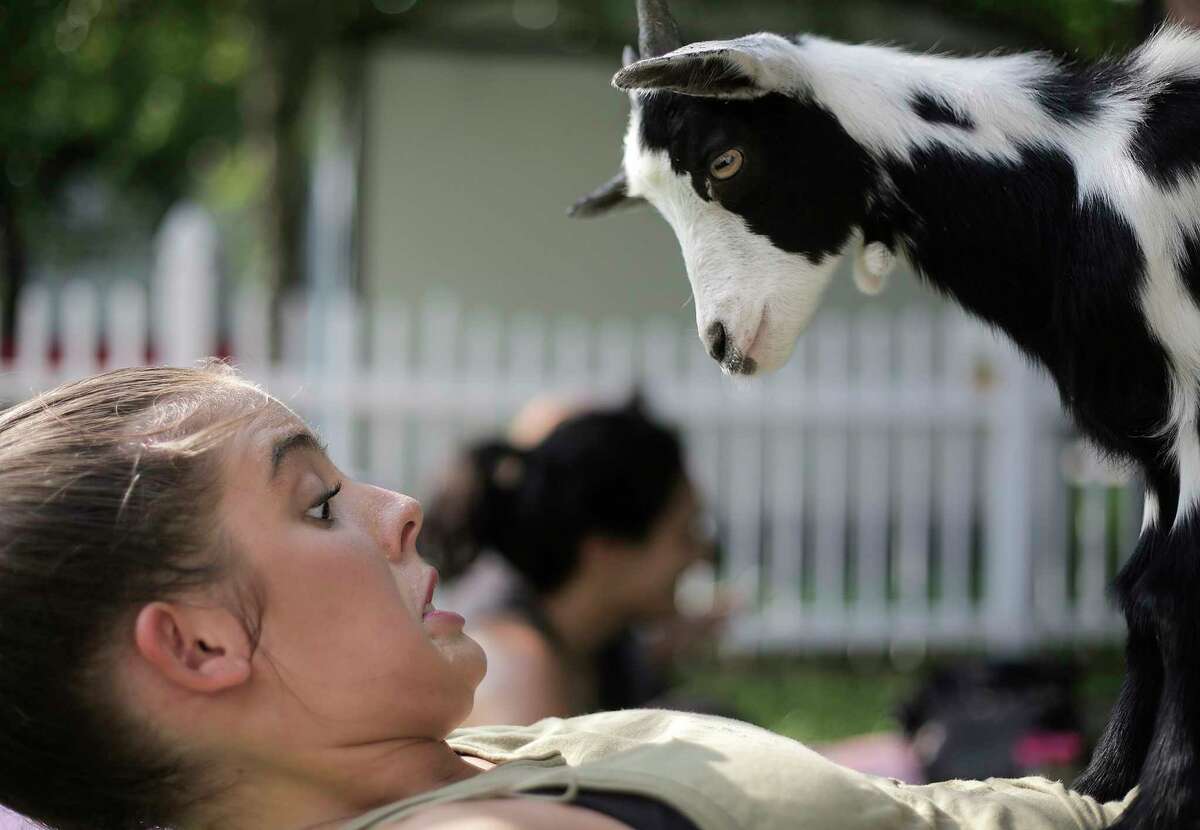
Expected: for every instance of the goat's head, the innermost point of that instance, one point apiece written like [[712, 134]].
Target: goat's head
[[761, 184]]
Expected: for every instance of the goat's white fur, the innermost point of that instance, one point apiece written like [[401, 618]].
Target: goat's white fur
[[1149, 512]]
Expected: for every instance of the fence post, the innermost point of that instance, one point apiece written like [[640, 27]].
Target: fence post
[[185, 284], [1008, 550]]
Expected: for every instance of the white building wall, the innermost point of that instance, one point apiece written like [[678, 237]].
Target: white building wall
[[470, 164]]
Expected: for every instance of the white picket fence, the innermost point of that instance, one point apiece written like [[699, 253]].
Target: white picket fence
[[900, 483]]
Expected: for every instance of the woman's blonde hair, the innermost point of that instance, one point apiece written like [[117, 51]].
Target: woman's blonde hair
[[108, 496]]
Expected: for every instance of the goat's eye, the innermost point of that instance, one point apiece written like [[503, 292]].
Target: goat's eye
[[727, 165]]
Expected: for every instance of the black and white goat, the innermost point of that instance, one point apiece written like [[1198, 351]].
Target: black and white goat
[[1059, 203]]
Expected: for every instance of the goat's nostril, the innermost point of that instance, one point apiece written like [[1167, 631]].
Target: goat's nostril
[[715, 336]]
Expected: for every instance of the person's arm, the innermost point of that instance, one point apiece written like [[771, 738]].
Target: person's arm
[[525, 681], [507, 814]]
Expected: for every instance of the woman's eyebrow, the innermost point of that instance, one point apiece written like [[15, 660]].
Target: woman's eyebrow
[[301, 440]]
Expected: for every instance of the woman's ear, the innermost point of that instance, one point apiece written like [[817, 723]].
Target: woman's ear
[[201, 649]]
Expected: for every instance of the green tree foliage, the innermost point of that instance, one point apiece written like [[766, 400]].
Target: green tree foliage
[[1088, 28], [131, 89], [131, 92]]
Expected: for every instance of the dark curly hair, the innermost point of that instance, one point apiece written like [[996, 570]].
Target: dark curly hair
[[606, 472]]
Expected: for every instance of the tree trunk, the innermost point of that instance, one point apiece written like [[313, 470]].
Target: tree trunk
[[288, 190], [287, 52], [13, 263]]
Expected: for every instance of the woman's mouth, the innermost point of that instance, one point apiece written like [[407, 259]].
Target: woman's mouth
[[431, 583], [439, 617], [430, 614]]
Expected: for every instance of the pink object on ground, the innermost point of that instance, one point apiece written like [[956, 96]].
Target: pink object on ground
[[1040, 749], [886, 754]]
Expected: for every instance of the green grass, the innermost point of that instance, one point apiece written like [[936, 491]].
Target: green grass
[[811, 701], [818, 700]]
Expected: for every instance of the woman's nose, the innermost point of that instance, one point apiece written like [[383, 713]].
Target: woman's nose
[[402, 524]]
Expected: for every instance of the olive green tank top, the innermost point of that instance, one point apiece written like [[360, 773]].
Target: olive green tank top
[[723, 774]]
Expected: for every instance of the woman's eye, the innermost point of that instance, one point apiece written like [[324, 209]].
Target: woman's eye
[[727, 165], [322, 510]]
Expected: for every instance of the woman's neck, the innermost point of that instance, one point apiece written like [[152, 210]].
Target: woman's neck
[[583, 618], [332, 785]]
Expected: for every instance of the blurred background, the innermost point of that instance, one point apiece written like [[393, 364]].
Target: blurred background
[[362, 203]]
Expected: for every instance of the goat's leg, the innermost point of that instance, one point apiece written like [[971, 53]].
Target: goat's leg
[[1117, 761], [1116, 764], [1169, 794]]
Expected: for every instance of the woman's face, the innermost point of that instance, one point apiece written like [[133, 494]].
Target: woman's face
[[349, 651], [674, 543]]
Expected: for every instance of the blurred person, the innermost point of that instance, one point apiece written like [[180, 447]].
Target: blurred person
[[540, 415], [572, 547], [207, 624]]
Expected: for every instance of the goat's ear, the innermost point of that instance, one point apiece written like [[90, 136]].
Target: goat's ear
[[611, 195], [707, 70]]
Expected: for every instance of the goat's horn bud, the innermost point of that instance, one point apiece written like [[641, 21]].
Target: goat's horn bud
[[658, 33]]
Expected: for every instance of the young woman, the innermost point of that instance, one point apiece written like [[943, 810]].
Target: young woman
[[205, 624], [585, 535]]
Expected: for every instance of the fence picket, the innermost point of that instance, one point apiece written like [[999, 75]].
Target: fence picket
[[956, 472], [571, 353], [390, 379], [80, 329], [33, 341], [1007, 577], [526, 355], [484, 335], [439, 331], [786, 514], [126, 325], [914, 476], [341, 360], [1092, 571], [615, 355], [831, 483], [873, 386], [1051, 565], [249, 330]]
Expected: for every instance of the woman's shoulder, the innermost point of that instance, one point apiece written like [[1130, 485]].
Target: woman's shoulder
[[506, 814]]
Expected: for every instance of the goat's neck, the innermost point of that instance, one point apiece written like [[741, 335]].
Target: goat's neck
[[998, 239], [967, 186], [876, 94]]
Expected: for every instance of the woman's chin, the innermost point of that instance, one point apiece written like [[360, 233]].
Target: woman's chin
[[471, 658]]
